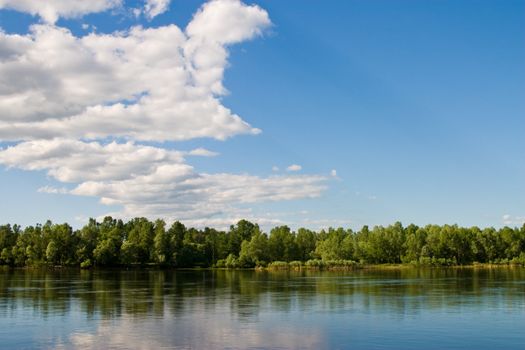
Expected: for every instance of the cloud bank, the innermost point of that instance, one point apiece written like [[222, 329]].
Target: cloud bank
[[50, 10], [81, 108]]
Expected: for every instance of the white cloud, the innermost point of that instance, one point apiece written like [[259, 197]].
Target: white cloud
[[333, 173], [78, 108], [51, 10], [227, 22], [136, 84], [53, 190], [508, 219], [154, 182], [153, 8], [294, 167], [202, 152], [178, 192], [275, 168], [75, 161]]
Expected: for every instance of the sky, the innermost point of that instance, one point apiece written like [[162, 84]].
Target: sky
[[305, 113]]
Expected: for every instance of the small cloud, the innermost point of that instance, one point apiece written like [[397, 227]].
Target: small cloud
[[153, 8], [53, 190], [136, 12], [81, 218], [275, 168], [85, 26], [510, 220], [372, 197], [202, 152], [294, 167], [333, 173]]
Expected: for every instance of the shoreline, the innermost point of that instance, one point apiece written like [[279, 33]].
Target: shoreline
[[295, 268]]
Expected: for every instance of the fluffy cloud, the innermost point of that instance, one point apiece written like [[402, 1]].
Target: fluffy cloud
[[176, 191], [153, 8], [202, 152], [294, 167], [140, 84], [80, 109], [154, 182], [51, 10], [227, 22], [75, 161]]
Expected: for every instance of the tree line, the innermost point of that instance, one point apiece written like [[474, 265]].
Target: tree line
[[140, 241]]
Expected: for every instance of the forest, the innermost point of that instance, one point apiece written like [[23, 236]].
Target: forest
[[141, 242]]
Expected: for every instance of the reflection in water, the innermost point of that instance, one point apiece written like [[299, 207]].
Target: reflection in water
[[373, 308]]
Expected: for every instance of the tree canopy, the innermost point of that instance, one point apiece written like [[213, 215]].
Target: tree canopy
[[140, 242]]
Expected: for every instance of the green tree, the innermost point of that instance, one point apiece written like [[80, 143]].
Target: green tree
[[282, 244], [107, 251], [256, 251], [338, 245], [306, 241], [162, 251], [138, 246], [243, 231]]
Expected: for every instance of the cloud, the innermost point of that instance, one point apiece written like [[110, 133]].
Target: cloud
[[508, 219], [139, 84], [202, 152], [294, 167], [333, 173], [153, 8], [227, 22], [53, 190], [154, 182], [275, 168], [51, 10], [81, 108], [178, 192], [74, 161]]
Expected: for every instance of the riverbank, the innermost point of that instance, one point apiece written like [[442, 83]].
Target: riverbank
[[278, 266]]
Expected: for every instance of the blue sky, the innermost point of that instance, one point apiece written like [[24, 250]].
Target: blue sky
[[419, 107]]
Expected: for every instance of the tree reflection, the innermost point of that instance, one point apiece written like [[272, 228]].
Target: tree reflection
[[112, 294]]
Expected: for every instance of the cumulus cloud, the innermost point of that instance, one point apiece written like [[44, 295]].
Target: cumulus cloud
[[139, 84], [177, 191], [75, 161], [294, 167], [333, 173], [81, 108], [51, 10], [154, 182], [153, 8]]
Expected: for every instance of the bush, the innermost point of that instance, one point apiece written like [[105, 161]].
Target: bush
[[232, 262], [295, 265], [519, 260], [314, 264], [428, 261], [220, 263], [278, 265], [86, 264]]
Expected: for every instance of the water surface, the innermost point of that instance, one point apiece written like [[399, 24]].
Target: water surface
[[404, 308]]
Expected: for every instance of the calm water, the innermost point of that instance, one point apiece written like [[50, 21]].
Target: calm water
[[367, 309]]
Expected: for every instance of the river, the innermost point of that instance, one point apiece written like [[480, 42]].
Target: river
[[379, 308]]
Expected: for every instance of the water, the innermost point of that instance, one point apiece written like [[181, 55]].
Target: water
[[366, 309]]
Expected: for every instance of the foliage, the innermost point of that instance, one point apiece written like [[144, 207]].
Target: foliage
[[140, 242]]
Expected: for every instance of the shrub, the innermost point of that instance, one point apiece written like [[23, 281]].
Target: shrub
[[278, 265]]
